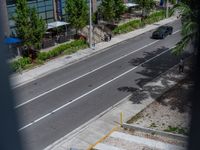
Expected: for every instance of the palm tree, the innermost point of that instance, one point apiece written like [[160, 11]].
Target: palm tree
[[189, 30]]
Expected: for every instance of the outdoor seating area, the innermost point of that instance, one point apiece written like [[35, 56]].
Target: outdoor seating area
[[47, 42], [56, 33]]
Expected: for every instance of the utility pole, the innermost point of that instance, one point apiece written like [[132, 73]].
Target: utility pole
[[167, 9], [90, 40]]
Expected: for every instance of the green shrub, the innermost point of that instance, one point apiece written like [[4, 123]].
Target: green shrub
[[20, 63], [154, 17], [42, 56], [39, 62], [127, 27], [132, 25], [67, 48]]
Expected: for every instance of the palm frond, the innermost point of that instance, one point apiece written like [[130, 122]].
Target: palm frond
[[178, 49], [189, 27], [182, 8]]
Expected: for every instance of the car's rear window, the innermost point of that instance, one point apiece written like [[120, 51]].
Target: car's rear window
[[161, 29]]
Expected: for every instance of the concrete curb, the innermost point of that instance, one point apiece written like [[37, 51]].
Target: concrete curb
[[103, 138], [153, 131], [80, 129]]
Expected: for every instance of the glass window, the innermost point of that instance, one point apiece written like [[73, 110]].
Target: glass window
[[49, 2], [41, 9], [49, 14], [48, 7], [43, 15], [41, 3], [50, 20]]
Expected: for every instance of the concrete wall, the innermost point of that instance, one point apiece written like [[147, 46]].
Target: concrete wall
[[4, 19], [94, 5]]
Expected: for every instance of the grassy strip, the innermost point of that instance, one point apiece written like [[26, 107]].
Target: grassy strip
[[127, 27], [135, 24], [68, 48], [20, 64], [179, 130]]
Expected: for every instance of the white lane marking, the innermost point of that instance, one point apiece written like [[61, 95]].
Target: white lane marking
[[176, 31], [32, 99], [78, 98]]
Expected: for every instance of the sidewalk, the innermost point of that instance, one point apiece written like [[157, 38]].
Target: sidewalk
[[61, 62], [98, 128]]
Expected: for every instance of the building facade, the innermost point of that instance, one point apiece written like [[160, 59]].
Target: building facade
[[49, 10]]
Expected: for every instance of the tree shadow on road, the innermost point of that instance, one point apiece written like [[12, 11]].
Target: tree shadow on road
[[156, 65], [152, 66], [137, 95], [146, 56]]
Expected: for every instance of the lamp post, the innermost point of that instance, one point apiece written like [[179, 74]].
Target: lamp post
[[167, 9], [90, 40]]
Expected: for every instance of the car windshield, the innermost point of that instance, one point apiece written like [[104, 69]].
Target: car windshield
[[161, 29]]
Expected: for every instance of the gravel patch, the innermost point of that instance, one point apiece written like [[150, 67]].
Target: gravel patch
[[170, 112]]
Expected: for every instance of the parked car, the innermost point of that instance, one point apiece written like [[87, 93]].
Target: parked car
[[162, 32]]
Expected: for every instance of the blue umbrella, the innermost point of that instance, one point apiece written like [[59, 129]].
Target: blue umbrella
[[11, 40]]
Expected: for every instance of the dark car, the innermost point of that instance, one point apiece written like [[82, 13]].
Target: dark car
[[162, 32]]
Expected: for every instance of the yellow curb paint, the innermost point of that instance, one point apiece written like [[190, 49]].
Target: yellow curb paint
[[103, 138], [121, 118]]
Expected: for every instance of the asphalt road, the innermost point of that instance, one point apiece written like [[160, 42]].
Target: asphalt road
[[54, 105]]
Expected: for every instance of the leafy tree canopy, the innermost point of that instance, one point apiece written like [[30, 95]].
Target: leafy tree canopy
[[111, 9], [146, 5], [29, 26], [77, 13], [119, 8]]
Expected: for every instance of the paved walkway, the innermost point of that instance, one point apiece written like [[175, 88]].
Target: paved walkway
[[61, 62], [97, 129]]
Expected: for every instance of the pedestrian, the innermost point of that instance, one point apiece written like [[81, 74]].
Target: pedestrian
[[105, 38], [93, 46], [181, 65], [110, 36]]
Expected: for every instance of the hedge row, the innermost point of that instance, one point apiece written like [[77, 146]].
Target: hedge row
[[127, 27], [68, 48], [20, 64], [132, 25], [154, 17]]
